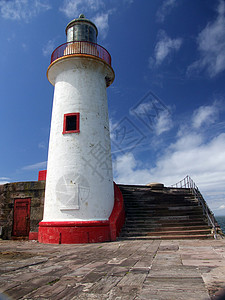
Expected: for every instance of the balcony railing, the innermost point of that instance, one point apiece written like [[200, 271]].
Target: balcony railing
[[87, 48]]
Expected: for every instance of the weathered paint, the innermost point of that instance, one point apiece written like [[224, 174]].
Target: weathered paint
[[79, 184]]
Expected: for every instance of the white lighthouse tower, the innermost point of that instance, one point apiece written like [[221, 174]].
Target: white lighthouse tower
[[79, 196]]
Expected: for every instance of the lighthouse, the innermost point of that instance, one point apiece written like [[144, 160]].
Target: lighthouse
[[79, 195]]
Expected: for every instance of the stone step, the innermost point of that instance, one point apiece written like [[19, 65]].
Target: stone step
[[150, 193], [165, 232], [163, 203], [179, 232], [164, 223], [146, 197], [169, 217], [160, 205], [162, 214], [164, 217], [154, 227], [163, 211], [140, 207], [150, 221], [153, 212], [166, 192], [171, 237]]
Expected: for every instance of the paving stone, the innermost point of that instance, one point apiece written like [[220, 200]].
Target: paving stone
[[93, 277], [214, 280], [167, 259], [80, 271], [129, 262], [69, 292], [203, 262], [25, 288], [143, 264], [89, 296], [116, 260], [104, 268], [133, 279], [45, 292], [168, 295], [104, 285], [8, 284], [57, 293], [174, 271], [174, 283], [169, 247], [23, 276], [123, 293], [179, 269]]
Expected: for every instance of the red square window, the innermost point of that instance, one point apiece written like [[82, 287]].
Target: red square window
[[71, 123]]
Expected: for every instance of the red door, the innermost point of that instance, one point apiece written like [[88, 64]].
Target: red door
[[21, 220]]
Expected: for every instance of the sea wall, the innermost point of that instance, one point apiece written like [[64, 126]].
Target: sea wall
[[35, 191]]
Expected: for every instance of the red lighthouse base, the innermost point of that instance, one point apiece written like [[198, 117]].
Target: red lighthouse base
[[79, 232]]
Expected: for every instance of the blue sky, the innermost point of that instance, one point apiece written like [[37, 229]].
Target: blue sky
[[166, 105]]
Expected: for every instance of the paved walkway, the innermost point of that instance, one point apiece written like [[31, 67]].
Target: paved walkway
[[135, 269]]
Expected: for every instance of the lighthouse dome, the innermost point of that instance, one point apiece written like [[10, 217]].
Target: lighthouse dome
[[81, 29]]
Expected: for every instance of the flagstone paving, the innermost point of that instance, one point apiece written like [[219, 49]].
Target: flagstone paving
[[129, 269]]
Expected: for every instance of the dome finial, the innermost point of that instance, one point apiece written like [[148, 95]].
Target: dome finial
[[81, 16]]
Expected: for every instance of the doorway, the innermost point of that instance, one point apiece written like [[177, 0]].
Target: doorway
[[21, 217]]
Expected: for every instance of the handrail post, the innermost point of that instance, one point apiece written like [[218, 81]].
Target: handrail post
[[188, 182]]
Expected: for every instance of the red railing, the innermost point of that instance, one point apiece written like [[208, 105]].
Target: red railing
[[87, 48]]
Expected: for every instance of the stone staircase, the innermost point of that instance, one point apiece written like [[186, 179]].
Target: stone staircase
[[162, 213]]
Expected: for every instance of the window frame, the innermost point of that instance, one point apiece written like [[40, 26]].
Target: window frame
[[77, 123]]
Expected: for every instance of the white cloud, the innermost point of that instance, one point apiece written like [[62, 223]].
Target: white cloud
[[194, 152], [4, 180], [205, 163], [73, 8], [196, 158], [153, 113], [38, 166], [128, 170], [163, 123], [48, 48], [22, 9], [211, 46], [164, 47], [165, 9], [93, 8], [205, 115], [101, 21]]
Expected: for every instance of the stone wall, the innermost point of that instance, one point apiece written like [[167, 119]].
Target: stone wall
[[11, 191]]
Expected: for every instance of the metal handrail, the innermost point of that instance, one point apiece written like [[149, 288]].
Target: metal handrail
[[81, 47], [187, 182]]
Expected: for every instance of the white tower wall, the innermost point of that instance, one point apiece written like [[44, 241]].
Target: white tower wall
[[79, 184]]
